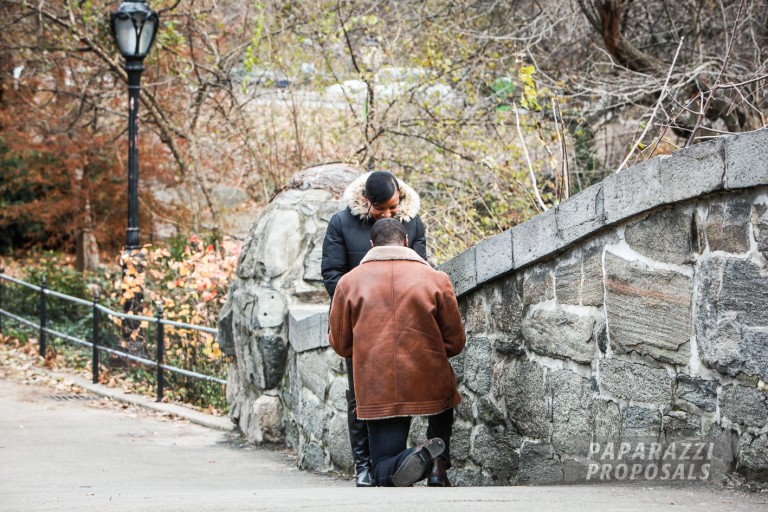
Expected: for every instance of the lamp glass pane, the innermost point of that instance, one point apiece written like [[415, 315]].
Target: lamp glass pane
[[125, 33], [147, 34]]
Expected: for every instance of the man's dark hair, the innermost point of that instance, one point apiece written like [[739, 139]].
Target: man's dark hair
[[388, 232], [380, 187]]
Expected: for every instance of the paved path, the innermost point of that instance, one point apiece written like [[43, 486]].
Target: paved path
[[93, 454]]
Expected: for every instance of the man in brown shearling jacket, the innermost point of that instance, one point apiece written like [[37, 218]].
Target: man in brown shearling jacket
[[398, 319]]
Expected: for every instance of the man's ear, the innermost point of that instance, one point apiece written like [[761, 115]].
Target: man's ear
[[372, 243], [406, 241]]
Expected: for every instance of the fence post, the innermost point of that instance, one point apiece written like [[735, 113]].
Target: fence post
[[96, 338], [43, 317], [2, 271], [160, 352]]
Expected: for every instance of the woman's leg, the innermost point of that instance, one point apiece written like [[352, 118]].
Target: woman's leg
[[358, 436]]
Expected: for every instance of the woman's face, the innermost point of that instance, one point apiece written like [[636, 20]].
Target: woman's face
[[386, 209]]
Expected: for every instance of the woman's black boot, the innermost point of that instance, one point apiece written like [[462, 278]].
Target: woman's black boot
[[358, 438]]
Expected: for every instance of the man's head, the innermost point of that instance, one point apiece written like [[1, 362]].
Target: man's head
[[388, 232]]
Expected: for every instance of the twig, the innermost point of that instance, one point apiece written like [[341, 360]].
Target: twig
[[719, 76], [565, 171], [655, 109], [541, 204]]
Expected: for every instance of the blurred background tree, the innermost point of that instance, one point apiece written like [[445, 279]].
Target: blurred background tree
[[494, 111]]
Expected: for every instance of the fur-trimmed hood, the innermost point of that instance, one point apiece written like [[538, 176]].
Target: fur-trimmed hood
[[354, 198], [392, 252]]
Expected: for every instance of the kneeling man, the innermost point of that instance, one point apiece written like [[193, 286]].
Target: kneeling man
[[398, 319]]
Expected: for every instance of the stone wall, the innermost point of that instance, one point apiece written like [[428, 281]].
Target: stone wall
[[278, 281], [637, 309]]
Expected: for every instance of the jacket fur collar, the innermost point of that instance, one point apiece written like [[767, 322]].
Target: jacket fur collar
[[392, 252], [353, 197]]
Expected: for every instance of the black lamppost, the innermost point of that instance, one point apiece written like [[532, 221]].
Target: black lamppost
[[134, 26]]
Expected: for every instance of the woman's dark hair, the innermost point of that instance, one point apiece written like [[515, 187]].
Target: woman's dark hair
[[380, 186]]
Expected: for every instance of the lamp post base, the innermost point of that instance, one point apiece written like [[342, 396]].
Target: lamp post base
[[134, 264]]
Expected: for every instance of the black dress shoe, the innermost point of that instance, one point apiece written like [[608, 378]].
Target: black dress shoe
[[415, 465], [438, 477]]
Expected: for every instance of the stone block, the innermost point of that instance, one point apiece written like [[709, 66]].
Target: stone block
[[312, 415], [753, 453], [745, 162], [473, 311], [728, 226], [525, 398], [267, 414], [280, 237], [477, 365], [314, 258], [258, 307], [701, 393], [632, 191], [693, 171], [730, 313], [592, 287], [506, 298], [496, 451], [338, 442], [460, 440], [265, 359], [337, 393], [225, 336], [606, 420], [640, 422], [649, 310], [571, 412], [539, 465], [568, 283], [313, 456], [560, 334], [494, 257], [307, 327], [489, 413], [670, 236], [462, 270], [536, 238], [468, 475], [510, 345], [635, 382], [581, 215], [314, 370], [744, 405], [538, 285], [760, 227], [676, 424], [465, 409]]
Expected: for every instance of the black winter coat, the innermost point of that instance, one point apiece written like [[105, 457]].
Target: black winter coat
[[348, 236]]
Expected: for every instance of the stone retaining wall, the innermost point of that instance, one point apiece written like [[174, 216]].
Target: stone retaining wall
[[635, 310]]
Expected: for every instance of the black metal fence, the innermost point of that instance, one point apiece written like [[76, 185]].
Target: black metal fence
[[97, 329]]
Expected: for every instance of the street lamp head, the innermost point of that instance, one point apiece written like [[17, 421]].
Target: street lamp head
[[134, 26]]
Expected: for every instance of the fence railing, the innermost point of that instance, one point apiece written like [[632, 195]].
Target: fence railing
[[96, 330]]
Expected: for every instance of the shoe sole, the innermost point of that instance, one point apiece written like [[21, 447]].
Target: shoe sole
[[415, 465]]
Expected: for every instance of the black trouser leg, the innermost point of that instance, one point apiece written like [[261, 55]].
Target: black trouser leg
[[389, 438], [358, 436], [441, 425]]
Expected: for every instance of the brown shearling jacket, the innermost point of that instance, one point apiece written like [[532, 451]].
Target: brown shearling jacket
[[398, 319]]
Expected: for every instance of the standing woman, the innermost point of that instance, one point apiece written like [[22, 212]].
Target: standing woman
[[372, 196]]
